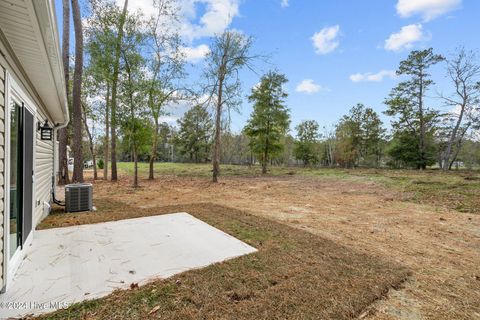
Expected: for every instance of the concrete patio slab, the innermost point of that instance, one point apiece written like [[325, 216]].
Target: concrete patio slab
[[72, 264]]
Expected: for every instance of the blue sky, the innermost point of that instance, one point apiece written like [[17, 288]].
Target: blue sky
[[334, 53]]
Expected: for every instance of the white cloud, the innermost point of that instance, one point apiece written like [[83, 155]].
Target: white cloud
[[325, 40], [284, 3], [146, 6], [216, 16], [405, 38], [308, 86], [195, 54], [373, 77], [428, 9]]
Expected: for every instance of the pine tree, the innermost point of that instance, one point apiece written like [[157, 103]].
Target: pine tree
[[413, 118], [270, 119], [77, 95], [195, 134]]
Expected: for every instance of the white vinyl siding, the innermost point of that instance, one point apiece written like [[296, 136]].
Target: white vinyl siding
[[2, 168], [43, 172], [30, 58]]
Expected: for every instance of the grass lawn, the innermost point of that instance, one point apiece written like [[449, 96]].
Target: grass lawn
[[294, 275], [458, 190], [358, 222]]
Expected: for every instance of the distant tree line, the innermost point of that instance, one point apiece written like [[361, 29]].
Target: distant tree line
[[359, 139], [129, 67], [420, 135]]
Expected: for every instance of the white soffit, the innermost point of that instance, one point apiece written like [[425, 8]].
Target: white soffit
[[31, 31]]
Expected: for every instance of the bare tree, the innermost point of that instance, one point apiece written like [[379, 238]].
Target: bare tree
[[229, 54], [77, 90], [113, 102], [464, 73], [63, 133]]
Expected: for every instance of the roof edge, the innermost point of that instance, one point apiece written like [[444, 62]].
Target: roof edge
[[47, 21]]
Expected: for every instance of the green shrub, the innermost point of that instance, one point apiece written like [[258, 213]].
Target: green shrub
[[100, 164]]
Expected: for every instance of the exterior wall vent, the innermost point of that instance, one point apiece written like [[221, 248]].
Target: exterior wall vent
[[78, 197]]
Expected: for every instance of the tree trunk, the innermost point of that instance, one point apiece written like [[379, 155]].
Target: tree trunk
[[106, 144], [153, 152], [135, 166], [453, 137], [265, 153], [116, 68], [95, 172], [77, 91], [422, 125], [63, 175], [63, 133], [151, 162], [218, 128], [92, 152], [457, 149], [330, 158], [91, 144], [133, 137]]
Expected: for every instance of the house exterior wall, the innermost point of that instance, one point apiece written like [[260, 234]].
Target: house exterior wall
[[44, 167], [30, 65], [43, 150], [2, 168]]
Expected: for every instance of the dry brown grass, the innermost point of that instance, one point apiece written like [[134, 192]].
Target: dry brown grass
[[440, 245], [294, 275]]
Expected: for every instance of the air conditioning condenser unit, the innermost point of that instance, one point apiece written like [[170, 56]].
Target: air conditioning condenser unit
[[78, 197]]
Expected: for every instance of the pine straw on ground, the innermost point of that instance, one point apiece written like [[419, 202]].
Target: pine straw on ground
[[294, 275]]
